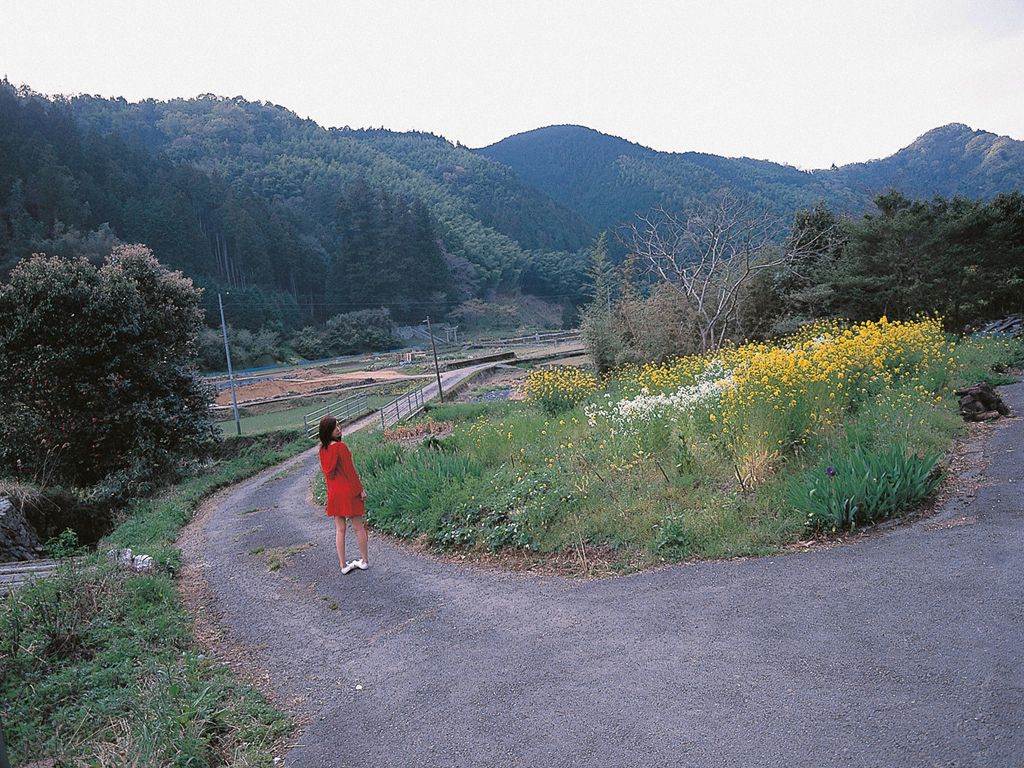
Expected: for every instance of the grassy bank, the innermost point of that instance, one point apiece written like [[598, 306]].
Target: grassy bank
[[98, 666], [740, 453]]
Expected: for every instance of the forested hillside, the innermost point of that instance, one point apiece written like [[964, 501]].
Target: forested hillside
[[483, 217], [948, 161], [300, 223]]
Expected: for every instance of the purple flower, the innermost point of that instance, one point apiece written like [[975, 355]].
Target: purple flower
[[830, 471]]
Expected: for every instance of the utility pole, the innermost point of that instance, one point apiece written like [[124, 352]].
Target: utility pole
[[227, 354], [437, 368]]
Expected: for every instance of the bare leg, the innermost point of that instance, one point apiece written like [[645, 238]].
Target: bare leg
[[359, 526], [339, 539]]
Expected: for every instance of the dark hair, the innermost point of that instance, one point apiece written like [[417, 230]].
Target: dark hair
[[327, 425]]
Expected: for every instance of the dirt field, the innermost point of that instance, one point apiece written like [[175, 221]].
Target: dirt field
[[305, 382], [308, 381]]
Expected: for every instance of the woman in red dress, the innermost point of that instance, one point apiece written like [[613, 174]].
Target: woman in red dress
[[345, 494]]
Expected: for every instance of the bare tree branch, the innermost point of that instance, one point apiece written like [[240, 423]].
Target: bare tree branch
[[709, 253]]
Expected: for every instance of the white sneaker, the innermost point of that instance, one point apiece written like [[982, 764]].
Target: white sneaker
[[347, 567], [361, 564]]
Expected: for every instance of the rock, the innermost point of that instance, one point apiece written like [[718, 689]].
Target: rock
[[120, 556], [142, 563], [18, 539], [1012, 326]]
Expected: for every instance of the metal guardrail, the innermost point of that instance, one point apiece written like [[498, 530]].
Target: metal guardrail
[[343, 410], [402, 407]]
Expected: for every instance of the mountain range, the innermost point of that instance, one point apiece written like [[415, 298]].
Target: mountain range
[[607, 180], [300, 222]]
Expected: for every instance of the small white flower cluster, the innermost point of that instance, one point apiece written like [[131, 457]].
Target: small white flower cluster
[[673, 405]]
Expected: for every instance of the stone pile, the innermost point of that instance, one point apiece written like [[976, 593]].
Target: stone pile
[[980, 402]]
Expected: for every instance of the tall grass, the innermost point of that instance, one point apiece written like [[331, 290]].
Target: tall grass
[[98, 666], [860, 486]]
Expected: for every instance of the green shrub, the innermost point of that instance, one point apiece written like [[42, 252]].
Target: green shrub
[[64, 545], [673, 540], [860, 486], [365, 330]]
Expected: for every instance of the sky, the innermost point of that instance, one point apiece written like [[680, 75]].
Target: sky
[[804, 82]]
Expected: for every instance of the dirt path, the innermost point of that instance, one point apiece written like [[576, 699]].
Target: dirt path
[[904, 649]]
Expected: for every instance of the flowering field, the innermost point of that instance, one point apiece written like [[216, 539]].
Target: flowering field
[[740, 452]]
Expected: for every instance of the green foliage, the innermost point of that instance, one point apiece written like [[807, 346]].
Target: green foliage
[[345, 334], [252, 308], [101, 389], [388, 250], [597, 321], [63, 545], [861, 485], [958, 258], [952, 256], [555, 274], [673, 539]]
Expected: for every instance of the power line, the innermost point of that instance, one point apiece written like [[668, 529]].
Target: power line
[[374, 304]]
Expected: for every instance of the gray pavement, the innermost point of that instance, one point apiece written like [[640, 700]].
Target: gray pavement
[[905, 649]]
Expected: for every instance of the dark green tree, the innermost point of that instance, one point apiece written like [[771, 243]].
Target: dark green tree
[[597, 319], [100, 387]]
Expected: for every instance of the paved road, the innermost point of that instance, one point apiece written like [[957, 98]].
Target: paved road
[[904, 650]]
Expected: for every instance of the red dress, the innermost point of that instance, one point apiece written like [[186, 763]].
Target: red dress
[[343, 486]]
